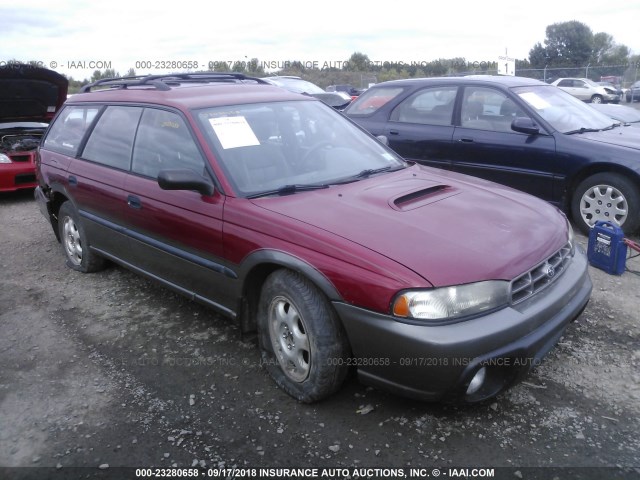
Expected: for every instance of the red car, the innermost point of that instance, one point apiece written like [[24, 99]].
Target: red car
[[29, 99], [276, 210]]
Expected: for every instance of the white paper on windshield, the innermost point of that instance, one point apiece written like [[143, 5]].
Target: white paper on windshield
[[233, 132], [534, 100]]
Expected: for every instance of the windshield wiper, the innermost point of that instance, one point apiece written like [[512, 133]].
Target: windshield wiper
[[372, 171], [288, 189], [367, 173], [582, 130]]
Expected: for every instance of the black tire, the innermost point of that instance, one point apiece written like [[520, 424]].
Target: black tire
[[296, 321], [597, 197], [597, 99], [75, 243]]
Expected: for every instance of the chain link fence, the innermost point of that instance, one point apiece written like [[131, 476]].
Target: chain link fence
[[622, 75]]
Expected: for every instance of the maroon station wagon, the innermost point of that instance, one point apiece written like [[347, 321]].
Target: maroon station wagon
[[276, 210]]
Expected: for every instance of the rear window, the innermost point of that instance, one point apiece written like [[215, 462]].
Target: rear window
[[111, 142], [371, 100]]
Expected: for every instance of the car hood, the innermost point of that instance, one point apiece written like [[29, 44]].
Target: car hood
[[623, 136], [30, 94], [448, 228]]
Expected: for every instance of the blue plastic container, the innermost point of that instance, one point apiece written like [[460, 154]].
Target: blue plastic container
[[607, 250]]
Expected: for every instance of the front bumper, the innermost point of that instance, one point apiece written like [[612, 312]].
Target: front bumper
[[439, 362], [612, 98]]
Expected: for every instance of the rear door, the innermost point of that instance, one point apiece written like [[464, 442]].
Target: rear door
[[420, 128], [95, 180]]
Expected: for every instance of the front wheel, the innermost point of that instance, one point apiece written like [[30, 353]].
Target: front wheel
[[75, 242], [302, 342], [596, 99], [609, 197]]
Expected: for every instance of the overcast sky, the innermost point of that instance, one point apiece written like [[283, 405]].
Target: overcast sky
[[121, 33]]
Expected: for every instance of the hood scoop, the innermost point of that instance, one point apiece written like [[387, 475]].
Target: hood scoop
[[421, 197]]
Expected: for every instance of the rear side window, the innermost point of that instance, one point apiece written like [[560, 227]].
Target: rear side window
[[164, 141], [429, 106], [111, 141], [371, 100], [69, 128]]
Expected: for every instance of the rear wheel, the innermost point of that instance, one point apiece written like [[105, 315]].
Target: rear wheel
[[609, 197], [302, 342], [75, 242]]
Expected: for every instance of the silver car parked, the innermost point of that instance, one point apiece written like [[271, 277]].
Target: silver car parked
[[587, 90]]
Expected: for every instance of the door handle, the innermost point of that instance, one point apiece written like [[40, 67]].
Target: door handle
[[393, 132], [134, 202], [466, 140]]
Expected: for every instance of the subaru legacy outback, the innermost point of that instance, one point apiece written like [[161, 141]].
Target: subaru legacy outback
[[277, 211]]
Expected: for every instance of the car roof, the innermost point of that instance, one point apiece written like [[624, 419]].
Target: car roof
[[505, 80], [197, 91]]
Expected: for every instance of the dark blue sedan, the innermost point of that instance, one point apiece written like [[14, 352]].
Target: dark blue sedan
[[516, 131]]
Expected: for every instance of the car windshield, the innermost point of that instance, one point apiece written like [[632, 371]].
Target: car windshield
[[291, 146], [561, 110]]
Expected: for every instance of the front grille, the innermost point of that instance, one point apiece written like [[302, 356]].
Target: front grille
[[541, 276]]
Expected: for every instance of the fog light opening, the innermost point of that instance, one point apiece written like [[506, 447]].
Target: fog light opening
[[477, 381]]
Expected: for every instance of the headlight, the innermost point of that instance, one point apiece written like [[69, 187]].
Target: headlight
[[572, 239], [449, 303], [4, 158]]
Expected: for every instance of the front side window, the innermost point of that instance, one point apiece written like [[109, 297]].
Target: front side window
[[488, 109], [163, 141], [111, 141], [267, 146], [429, 106], [69, 128]]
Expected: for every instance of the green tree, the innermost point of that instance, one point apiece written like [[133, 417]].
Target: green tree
[[569, 43], [602, 44], [99, 74], [358, 62], [538, 56]]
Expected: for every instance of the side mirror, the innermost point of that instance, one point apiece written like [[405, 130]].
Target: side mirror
[[383, 140], [524, 125], [185, 179]]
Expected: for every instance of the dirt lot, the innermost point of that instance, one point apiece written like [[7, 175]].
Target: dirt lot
[[108, 370]]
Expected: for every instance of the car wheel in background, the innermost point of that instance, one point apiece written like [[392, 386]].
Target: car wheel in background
[[596, 99], [609, 197], [75, 242], [303, 345]]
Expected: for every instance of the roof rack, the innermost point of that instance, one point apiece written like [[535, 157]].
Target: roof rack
[[166, 81]]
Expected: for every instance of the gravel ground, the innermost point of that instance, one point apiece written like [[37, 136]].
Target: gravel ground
[[108, 370]]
